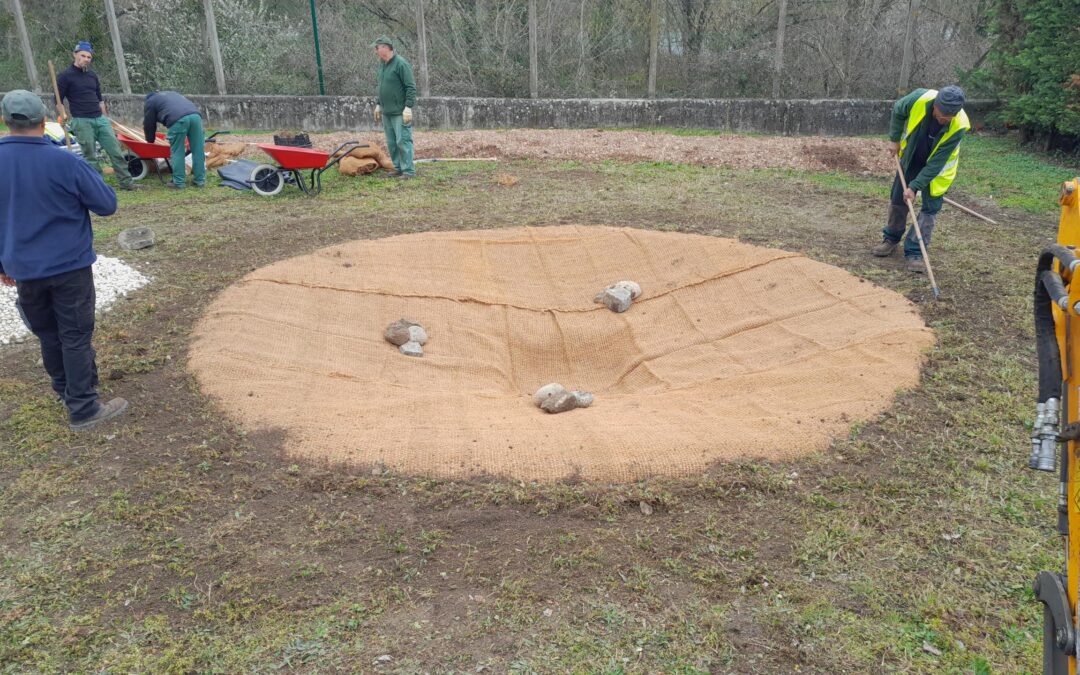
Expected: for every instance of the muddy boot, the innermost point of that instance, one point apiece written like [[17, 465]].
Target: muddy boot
[[106, 412], [915, 265], [885, 248], [894, 229]]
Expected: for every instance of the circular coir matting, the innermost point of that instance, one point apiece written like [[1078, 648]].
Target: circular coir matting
[[732, 351]]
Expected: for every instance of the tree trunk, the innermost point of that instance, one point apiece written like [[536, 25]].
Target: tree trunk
[[909, 48], [421, 45], [778, 61], [215, 47], [28, 54], [534, 76], [654, 43], [118, 47]]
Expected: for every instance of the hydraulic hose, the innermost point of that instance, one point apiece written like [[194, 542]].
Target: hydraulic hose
[[1049, 288]]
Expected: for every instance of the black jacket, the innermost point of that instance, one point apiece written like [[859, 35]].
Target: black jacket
[[166, 107]]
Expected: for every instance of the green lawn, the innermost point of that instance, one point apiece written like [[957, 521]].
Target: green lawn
[[175, 541]]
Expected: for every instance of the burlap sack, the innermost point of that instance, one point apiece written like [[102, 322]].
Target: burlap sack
[[219, 154], [373, 152], [351, 166]]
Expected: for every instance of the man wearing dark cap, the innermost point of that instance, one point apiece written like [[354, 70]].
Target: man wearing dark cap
[[82, 89], [396, 96], [926, 131], [46, 252]]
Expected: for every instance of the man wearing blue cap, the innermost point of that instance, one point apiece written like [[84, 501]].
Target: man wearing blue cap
[[82, 89], [397, 96], [47, 249], [926, 130]]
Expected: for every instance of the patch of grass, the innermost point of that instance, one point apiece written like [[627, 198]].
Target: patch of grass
[[1015, 177]]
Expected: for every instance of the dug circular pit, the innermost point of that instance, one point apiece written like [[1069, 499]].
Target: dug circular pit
[[732, 351]]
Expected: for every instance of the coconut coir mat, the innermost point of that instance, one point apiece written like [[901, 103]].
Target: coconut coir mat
[[732, 351]]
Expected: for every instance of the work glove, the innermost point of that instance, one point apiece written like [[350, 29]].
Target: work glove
[[406, 115], [378, 114]]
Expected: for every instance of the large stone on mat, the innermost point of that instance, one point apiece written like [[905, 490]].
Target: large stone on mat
[[398, 333], [547, 391], [616, 298], [632, 286], [584, 398], [417, 334], [411, 349], [561, 402], [136, 238]]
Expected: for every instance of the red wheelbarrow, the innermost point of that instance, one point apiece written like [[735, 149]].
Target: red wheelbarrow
[[143, 153], [267, 179]]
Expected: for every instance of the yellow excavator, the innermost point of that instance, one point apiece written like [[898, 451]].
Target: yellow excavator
[[1057, 425]]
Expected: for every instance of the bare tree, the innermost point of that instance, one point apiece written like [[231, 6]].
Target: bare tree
[[778, 61], [534, 76], [421, 45], [654, 42]]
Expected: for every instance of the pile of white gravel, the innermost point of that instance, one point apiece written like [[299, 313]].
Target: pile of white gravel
[[112, 277]]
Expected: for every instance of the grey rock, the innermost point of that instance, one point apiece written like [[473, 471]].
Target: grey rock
[[411, 349], [615, 298], [417, 334], [584, 398], [558, 403], [136, 238], [632, 286], [547, 391], [397, 333]]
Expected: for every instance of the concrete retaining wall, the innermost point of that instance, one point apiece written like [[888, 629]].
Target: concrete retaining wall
[[349, 113]]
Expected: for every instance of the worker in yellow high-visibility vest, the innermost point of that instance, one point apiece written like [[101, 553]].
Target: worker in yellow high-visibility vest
[[926, 130]]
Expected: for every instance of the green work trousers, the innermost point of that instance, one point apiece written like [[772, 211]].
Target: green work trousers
[[188, 128], [399, 143], [93, 131]]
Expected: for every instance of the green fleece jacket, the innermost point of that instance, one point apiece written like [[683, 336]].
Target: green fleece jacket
[[938, 158], [397, 88]]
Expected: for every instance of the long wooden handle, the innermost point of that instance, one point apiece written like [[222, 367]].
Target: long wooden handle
[[970, 211], [56, 93], [918, 230]]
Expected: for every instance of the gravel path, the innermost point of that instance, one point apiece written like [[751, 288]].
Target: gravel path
[[113, 279]]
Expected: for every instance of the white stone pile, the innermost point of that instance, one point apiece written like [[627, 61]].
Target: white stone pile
[[113, 279]]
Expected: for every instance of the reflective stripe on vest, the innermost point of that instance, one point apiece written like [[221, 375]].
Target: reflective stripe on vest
[[940, 184]]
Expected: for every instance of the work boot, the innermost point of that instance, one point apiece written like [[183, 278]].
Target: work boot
[[915, 265], [392, 174], [885, 248], [105, 412], [173, 186], [131, 187]]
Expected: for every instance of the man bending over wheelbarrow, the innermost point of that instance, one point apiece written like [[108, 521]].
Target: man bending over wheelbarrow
[[182, 119]]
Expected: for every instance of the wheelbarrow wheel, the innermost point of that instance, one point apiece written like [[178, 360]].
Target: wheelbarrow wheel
[[266, 180], [136, 167]]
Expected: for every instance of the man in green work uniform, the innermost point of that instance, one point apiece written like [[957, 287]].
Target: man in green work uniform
[[926, 130], [182, 119], [397, 96], [82, 89]]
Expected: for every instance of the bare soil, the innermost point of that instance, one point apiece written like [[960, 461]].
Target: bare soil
[[852, 155]]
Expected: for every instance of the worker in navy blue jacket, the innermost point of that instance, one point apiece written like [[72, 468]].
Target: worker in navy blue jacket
[[47, 249], [183, 121]]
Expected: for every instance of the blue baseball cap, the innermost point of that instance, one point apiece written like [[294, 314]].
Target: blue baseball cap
[[83, 46]]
